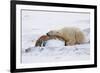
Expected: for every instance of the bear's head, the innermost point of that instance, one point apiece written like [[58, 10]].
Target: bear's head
[[54, 33]]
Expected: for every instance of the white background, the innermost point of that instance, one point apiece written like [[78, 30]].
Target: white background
[[5, 36]]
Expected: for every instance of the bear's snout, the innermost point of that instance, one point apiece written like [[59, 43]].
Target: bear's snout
[[50, 33], [47, 34]]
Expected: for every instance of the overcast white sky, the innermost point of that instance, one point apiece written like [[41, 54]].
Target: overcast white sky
[[43, 21]]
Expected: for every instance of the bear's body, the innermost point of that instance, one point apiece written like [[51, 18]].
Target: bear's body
[[71, 35]]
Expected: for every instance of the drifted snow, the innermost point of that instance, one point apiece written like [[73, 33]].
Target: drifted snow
[[56, 54]]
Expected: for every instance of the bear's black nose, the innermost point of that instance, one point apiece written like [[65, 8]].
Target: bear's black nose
[[47, 34]]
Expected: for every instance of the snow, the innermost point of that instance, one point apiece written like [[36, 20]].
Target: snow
[[37, 23], [54, 43], [56, 54]]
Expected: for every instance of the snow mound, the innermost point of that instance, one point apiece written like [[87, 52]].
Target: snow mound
[[54, 43]]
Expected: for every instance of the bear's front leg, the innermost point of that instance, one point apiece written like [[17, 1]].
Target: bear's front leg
[[70, 42]]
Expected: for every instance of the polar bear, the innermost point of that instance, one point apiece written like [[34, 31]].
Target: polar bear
[[71, 35]]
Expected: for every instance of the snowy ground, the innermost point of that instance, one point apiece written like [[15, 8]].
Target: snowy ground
[[37, 23], [49, 54]]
